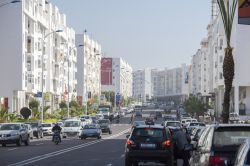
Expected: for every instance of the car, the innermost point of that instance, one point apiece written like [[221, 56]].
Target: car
[[14, 133], [47, 128], [37, 129], [87, 118], [138, 108], [149, 121], [138, 113], [173, 126], [243, 154], [99, 116], [105, 125], [149, 144], [234, 117], [91, 130], [218, 144], [94, 119], [71, 128], [30, 131], [138, 123], [169, 118], [196, 124]]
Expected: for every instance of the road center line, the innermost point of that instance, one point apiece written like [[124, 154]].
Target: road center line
[[38, 158], [12, 149]]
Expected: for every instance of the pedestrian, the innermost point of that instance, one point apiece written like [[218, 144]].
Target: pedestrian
[[132, 118], [181, 139]]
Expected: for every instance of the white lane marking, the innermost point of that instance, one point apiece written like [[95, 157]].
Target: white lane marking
[[39, 144], [109, 164], [12, 149], [38, 158]]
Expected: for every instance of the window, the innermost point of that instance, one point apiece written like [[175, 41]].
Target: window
[[221, 76]]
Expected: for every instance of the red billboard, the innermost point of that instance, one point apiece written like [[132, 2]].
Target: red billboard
[[106, 71], [244, 12]]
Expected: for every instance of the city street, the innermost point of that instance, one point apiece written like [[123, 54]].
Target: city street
[[90, 152]]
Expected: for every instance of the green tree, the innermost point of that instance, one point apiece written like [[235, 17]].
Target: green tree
[[34, 106], [110, 96], [227, 12], [3, 114], [195, 106]]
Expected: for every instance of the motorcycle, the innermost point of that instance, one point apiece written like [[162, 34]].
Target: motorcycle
[[56, 137]]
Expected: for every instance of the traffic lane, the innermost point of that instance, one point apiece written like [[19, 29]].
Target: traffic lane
[[13, 154], [109, 152]]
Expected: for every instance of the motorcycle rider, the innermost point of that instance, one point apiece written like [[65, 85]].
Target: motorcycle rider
[[55, 129]]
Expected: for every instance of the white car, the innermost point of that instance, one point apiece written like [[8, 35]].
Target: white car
[[71, 128], [99, 116], [87, 119], [47, 128]]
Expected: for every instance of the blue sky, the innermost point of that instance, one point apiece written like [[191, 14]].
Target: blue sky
[[145, 33]]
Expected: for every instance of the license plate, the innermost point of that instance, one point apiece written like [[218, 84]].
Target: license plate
[[150, 146]]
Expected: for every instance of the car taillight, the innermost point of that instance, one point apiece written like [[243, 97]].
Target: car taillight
[[167, 143], [129, 142], [217, 160]]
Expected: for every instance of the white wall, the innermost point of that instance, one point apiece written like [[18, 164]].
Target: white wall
[[10, 50]]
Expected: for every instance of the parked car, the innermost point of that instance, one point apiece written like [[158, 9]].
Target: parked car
[[47, 128], [147, 144], [37, 129], [14, 133], [105, 125], [243, 155], [30, 131], [218, 144], [71, 128], [91, 130]]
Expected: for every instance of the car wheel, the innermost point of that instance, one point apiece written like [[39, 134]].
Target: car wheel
[[27, 142], [99, 137], [41, 135], [19, 141], [128, 162], [3, 145], [110, 132]]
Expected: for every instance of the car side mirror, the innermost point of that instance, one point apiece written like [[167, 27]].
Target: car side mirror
[[127, 136], [195, 139]]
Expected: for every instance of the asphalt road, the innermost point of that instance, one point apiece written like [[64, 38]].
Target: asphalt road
[[108, 151]]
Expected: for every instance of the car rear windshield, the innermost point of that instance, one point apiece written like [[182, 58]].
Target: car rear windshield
[[150, 133], [90, 127], [103, 121], [197, 124], [230, 136], [46, 125], [10, 127], [174, 124], [72, 124]]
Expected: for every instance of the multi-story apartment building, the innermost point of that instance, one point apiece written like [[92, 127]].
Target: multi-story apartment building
[[116, 76], [171, 84], [89, 65], [34, 37], [216, 42], [142, 85]]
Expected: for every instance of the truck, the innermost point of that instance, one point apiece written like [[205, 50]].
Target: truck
[[105, 109]]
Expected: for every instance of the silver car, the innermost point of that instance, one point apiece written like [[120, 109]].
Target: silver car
[[14, 133]]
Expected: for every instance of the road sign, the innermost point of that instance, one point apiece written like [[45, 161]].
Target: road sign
[[39, 94]]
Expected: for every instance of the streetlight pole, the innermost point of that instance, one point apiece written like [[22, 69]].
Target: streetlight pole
[[15, 1], [43, 52]]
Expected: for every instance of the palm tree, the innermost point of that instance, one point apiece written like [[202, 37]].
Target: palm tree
[[227, 12]]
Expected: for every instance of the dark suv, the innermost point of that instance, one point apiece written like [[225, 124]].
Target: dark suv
[[105, 125], [37, 129], [147, 144], [218, 144]]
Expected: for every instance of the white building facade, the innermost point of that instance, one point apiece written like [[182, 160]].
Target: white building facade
[[171, 84], [29, 41], [142, 85], [89, 65], [117, 77]]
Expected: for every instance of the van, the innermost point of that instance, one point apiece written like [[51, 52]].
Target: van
[[71, 128]]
